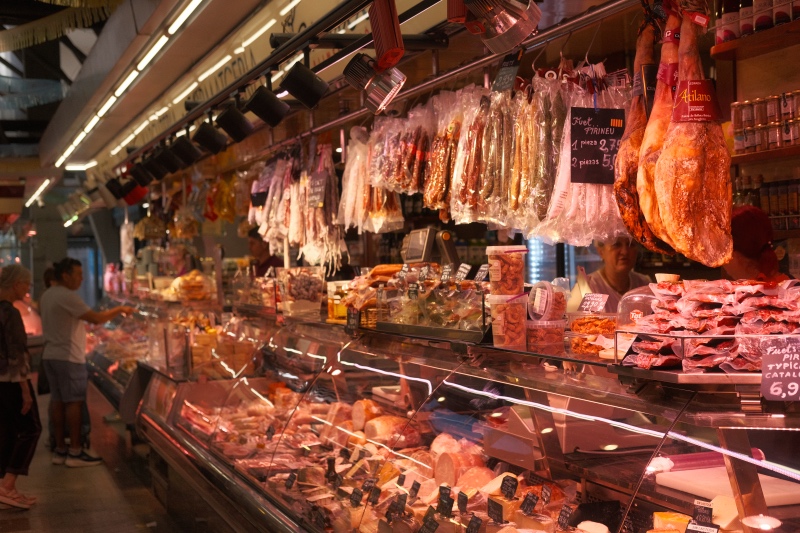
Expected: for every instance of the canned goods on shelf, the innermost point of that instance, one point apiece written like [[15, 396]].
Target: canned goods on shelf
[[773, 108], [760, 111], [748, 120], [774, 136]]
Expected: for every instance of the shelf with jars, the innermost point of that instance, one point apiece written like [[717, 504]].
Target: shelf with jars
[[769, 39]]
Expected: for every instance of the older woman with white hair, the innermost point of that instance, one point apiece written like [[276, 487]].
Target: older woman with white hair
[[19, 415], [616, 276]]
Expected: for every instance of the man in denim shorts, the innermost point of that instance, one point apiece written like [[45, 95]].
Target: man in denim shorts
[[63, 313]]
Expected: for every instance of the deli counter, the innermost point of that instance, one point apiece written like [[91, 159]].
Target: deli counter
[[383, 432]]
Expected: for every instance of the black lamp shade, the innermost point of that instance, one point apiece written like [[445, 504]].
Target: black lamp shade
[[168, 160], [128, 187], [266, 106], [187, 152], [302, 83], [141, 175], [115, 188], [209, 138], [234, 123], [153, 167]]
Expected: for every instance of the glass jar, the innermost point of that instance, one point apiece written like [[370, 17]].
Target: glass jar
[[736, 116], [760, 111], [786, 102], [783, 199], [762, 141], [762, 15], [749, 140], [786, 133], [773, 108], [795, 125], [774, 136], [764, 198], [738, 142], [774, 207], [748, 120]]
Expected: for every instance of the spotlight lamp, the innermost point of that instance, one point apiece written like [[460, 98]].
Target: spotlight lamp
[[381, 87], [234, 123], [266, 106], [302, 83], [185, 150], [503, 24], [209, 138], [141, 175], [167, 159]]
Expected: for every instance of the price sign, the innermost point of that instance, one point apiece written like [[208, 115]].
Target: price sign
[[374, 496], [353, 318], [401, 480], [355, 497], [429, 526], [344, 453], [627, 525], [368, 484], [424, 272], [702, 528], [414, 489], [507, 75], [547, 493], [331, 474], [529, 503], [447, 272], [290, 480], [702, 512], [483, 271], [401, 502], [337, 481], [593, 302], [596, 134], [413, 291], [474, 525], [463, 501], [535, 479], [463, 272], [430, 514], [445, 507], [780, 369], [317, 186], [564, 516], [318, 517], [270, 432], [509, 487], [495, 511]]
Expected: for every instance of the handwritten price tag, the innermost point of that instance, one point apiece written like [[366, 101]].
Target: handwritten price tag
[[593, 303], [780, 380], [596, 134]]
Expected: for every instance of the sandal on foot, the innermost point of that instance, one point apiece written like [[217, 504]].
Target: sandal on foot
[[14, 499]]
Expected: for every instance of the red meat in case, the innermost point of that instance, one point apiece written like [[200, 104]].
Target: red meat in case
[[777, 302], [718, 286], [768, 328], [740, 364], [667, 289], [648, 361], [664, 304]]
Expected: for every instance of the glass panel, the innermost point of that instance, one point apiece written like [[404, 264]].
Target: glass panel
[[198, 407], [159, 397]]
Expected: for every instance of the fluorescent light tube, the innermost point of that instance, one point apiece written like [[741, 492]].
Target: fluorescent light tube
[[185, 93], [162, 111], [38, 192], [127, 140], [79, 138], [358, 21], [215, 68], [277, 76], [65, 155], [103, 110], [141, 126], [127, 83], [239, 50], [92, 123], [157, 46], [289, 7], [185, 14], [259, 33]]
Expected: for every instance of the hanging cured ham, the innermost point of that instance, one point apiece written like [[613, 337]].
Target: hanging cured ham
[[656, 130], [627, 164], [692, 175]]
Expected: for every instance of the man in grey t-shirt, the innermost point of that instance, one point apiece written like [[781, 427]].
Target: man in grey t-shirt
[[63, 313]]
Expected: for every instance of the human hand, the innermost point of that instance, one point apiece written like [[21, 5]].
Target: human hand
[[27, 397]]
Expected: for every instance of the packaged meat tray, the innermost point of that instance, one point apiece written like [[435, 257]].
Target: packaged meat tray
[[585, 328]]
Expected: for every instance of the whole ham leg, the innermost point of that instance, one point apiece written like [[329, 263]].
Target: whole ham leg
[[653, 138], [692, 178], [626, 166]]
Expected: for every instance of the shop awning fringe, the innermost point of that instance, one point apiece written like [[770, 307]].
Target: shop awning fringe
[[52, 27]]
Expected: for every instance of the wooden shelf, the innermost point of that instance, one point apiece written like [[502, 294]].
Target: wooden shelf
[[759, 43], [783, 234], [767, 155]]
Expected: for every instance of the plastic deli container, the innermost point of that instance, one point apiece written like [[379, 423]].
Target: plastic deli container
[[585, 328], [506, 269], [508, 320], [546, 337], [547, 302]]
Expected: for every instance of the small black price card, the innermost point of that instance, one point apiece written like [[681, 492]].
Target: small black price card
[[447, 272], [401, 480], [483, 271], [507, 74], [413, 291], [463, 501], [318, 517], [368, 484], [331, 474], [414, 489], [474, 525], [596, 134], [564, 516], [445, 507], [401, 502], [337, 481], [780, 368], [316, 189], [355, 497], [627, 525], [290, 480], [270, 432], [529, 503], [509, 487], [547, 493], [353, 318], [429, 514], [702, 512], [495, 511], [593, 302], [374, 495], [429, 526], [424, 272], [702, 528], [444, 490], [344, 453], [463, 272]]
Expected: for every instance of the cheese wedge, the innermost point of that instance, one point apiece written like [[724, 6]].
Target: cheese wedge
[[592, 527], [509, 506], [493, 487], [670, 520], [538, 522]]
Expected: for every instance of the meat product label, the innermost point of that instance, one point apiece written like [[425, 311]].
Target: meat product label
[[704, 528], [595, 138], [668, 73], [780, 369], [695, 101]]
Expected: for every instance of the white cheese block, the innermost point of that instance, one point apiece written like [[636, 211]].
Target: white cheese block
[[444, 443], [538, 522], [592, 527]]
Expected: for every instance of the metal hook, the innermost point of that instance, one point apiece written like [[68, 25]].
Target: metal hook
[[535, 59], [596, 31]]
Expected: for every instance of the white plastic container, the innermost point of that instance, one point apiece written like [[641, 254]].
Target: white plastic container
[[547, 302], [509, 313], [507, 269]]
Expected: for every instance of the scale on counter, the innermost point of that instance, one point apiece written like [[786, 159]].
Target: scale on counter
[[418, 246]]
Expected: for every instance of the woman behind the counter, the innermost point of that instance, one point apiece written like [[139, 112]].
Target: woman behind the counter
[[753, 256], [616, 276]]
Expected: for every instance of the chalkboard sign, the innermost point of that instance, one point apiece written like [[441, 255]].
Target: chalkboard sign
[[353, 318], [474, 525], [429, 526], [414, 489], [270, 432], [317, 185], [355, 497], [444, 490], [702, 512], [290, 480], [529, 503], [495, 511], [483, 271], [702, 528], [413, 291], [430, 514], [594, 143], [507, 75], [374, 495], [337, 481], [564, 516], [593, 302], [445, 507], [447, 272], [547, 493], [424, 272], [318, 517], [401, 480], [463, 272], [509, 487], [368, 484], [780, 369], [463, 501], [401, 502]]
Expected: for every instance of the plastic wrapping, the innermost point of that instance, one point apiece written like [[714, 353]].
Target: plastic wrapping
[[439, 168], [465, 190]]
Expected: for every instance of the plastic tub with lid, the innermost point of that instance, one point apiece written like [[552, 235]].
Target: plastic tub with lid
[[546, 337], [506, 269], [509, 313], [547, 302]]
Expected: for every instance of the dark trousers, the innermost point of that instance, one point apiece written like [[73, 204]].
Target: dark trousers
[[18, 433]]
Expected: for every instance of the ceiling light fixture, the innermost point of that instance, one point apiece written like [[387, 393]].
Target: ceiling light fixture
[[116, 150], [292, 5], [215, 68], [38, 193], [381, 88], [266, 106], [162, 111], [157, 46], [239, 50], [275, 77], [234, 123], [209, 138], [503, 24], [77, 167], [103, 110], [127, 140], [65, 155], [389, 48], [183, 148], [185, 14], [358, 21], [185, 93], [250, 40], [92, 123], [303, 83], [127, 83], [141, 127], [78, 139]]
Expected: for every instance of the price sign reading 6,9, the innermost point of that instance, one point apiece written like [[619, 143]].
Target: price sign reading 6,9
[[780, 367]]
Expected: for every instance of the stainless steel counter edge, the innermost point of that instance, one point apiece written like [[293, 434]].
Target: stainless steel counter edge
[[216, 483]]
